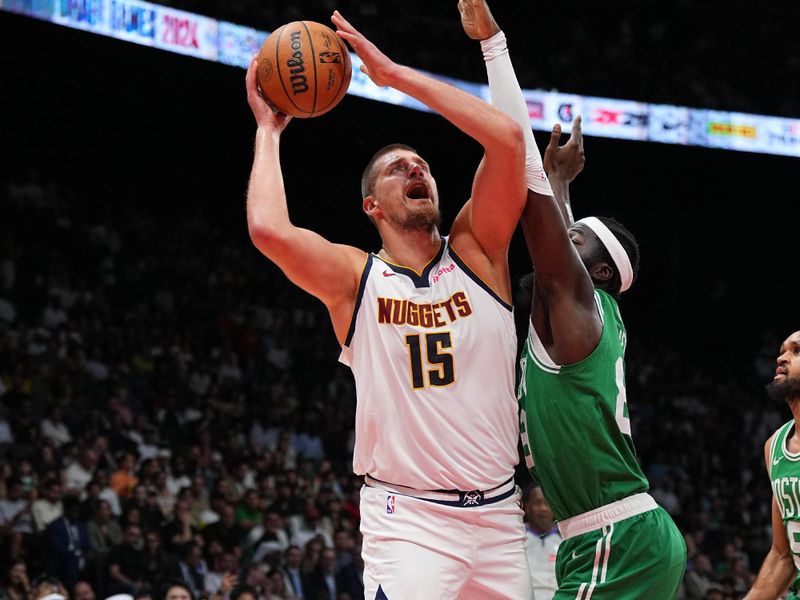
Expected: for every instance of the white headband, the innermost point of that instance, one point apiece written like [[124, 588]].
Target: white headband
[[615, 249]]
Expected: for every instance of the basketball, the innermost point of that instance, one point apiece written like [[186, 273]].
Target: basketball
[[303, 69]]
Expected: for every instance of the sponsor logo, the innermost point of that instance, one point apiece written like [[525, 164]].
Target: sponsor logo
[[619, 117], [296, 67], [443, 271], [387, 273], [565, 112], [730, 130]]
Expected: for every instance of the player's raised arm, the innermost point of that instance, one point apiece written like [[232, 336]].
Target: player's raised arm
[[328, 271], [498, 190], [565, 307], [778, 569]]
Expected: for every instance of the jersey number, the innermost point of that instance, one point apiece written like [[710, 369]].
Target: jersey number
[[443, 371]]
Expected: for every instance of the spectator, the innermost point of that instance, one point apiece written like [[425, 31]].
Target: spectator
[[541, 542], [227, 532], [178, 530], [322, 581], [49, 508], [68, 544], [273, 538], [48, 587], [293, 576], [104, 532], [191, 569], [307, 526], [699, 578], [351, 575], [123, 480], [16, 521], [15, 583], [54, 428], [179, 591], [224, 565], [78, 475], [83, 591], [127, 563], [245, 592], [248, 513], [156, 560]]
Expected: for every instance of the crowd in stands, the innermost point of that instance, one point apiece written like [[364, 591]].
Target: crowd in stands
[[682, 52], [171, 409]]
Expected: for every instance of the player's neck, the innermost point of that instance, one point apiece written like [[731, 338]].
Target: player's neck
[[412, 249]]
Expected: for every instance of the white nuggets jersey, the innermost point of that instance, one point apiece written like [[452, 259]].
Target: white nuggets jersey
[[433, 355]]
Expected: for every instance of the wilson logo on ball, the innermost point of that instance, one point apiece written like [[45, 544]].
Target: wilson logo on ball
[[296, 67]]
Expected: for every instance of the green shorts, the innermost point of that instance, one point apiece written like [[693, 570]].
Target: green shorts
[[643, 556]]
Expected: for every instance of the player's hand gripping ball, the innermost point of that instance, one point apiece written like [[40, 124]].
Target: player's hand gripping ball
[[303, 69]]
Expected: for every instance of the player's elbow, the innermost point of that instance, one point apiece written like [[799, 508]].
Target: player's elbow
[[511, 137], [267, 237]]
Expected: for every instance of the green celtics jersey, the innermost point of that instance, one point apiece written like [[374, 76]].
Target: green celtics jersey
[[574, 422], [784, 474]]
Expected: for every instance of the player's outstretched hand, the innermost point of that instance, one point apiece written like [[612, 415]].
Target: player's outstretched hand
[[565, 162], [376, 65], [262, 111], [477, 19]]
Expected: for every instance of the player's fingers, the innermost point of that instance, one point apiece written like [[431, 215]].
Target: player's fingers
[[555, 136], [250, 78], [349, 38], [341, 22], [577, 130]]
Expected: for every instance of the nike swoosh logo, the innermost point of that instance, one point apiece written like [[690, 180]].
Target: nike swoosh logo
[[389, 274], [775, 461]]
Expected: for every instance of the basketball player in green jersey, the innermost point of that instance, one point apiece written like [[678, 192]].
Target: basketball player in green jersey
[[781, 568], [576, 434]]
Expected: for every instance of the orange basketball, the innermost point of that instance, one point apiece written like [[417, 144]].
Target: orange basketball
[[303, 69]]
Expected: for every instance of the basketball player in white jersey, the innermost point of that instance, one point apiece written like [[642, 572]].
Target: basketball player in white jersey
[[426, 326]]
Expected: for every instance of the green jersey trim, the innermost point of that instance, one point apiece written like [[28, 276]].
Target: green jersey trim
[[793, 456], [539, 353]]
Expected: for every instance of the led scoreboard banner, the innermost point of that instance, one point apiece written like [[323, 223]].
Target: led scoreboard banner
[[195, 35]]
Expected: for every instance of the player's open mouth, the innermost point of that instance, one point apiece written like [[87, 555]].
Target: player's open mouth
[[418, 191]]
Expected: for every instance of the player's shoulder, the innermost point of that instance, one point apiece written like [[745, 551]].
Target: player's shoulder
[[773, 439]]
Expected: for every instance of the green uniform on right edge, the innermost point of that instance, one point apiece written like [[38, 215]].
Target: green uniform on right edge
[[784, 470], [576, 435]]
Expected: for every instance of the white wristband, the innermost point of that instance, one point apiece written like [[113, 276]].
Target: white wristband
[[494, 46]]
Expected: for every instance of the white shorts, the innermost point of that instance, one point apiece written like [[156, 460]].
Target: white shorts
[[415, 549]]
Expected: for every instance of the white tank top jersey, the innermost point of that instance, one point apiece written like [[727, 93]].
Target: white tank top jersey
[[433, 356]]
